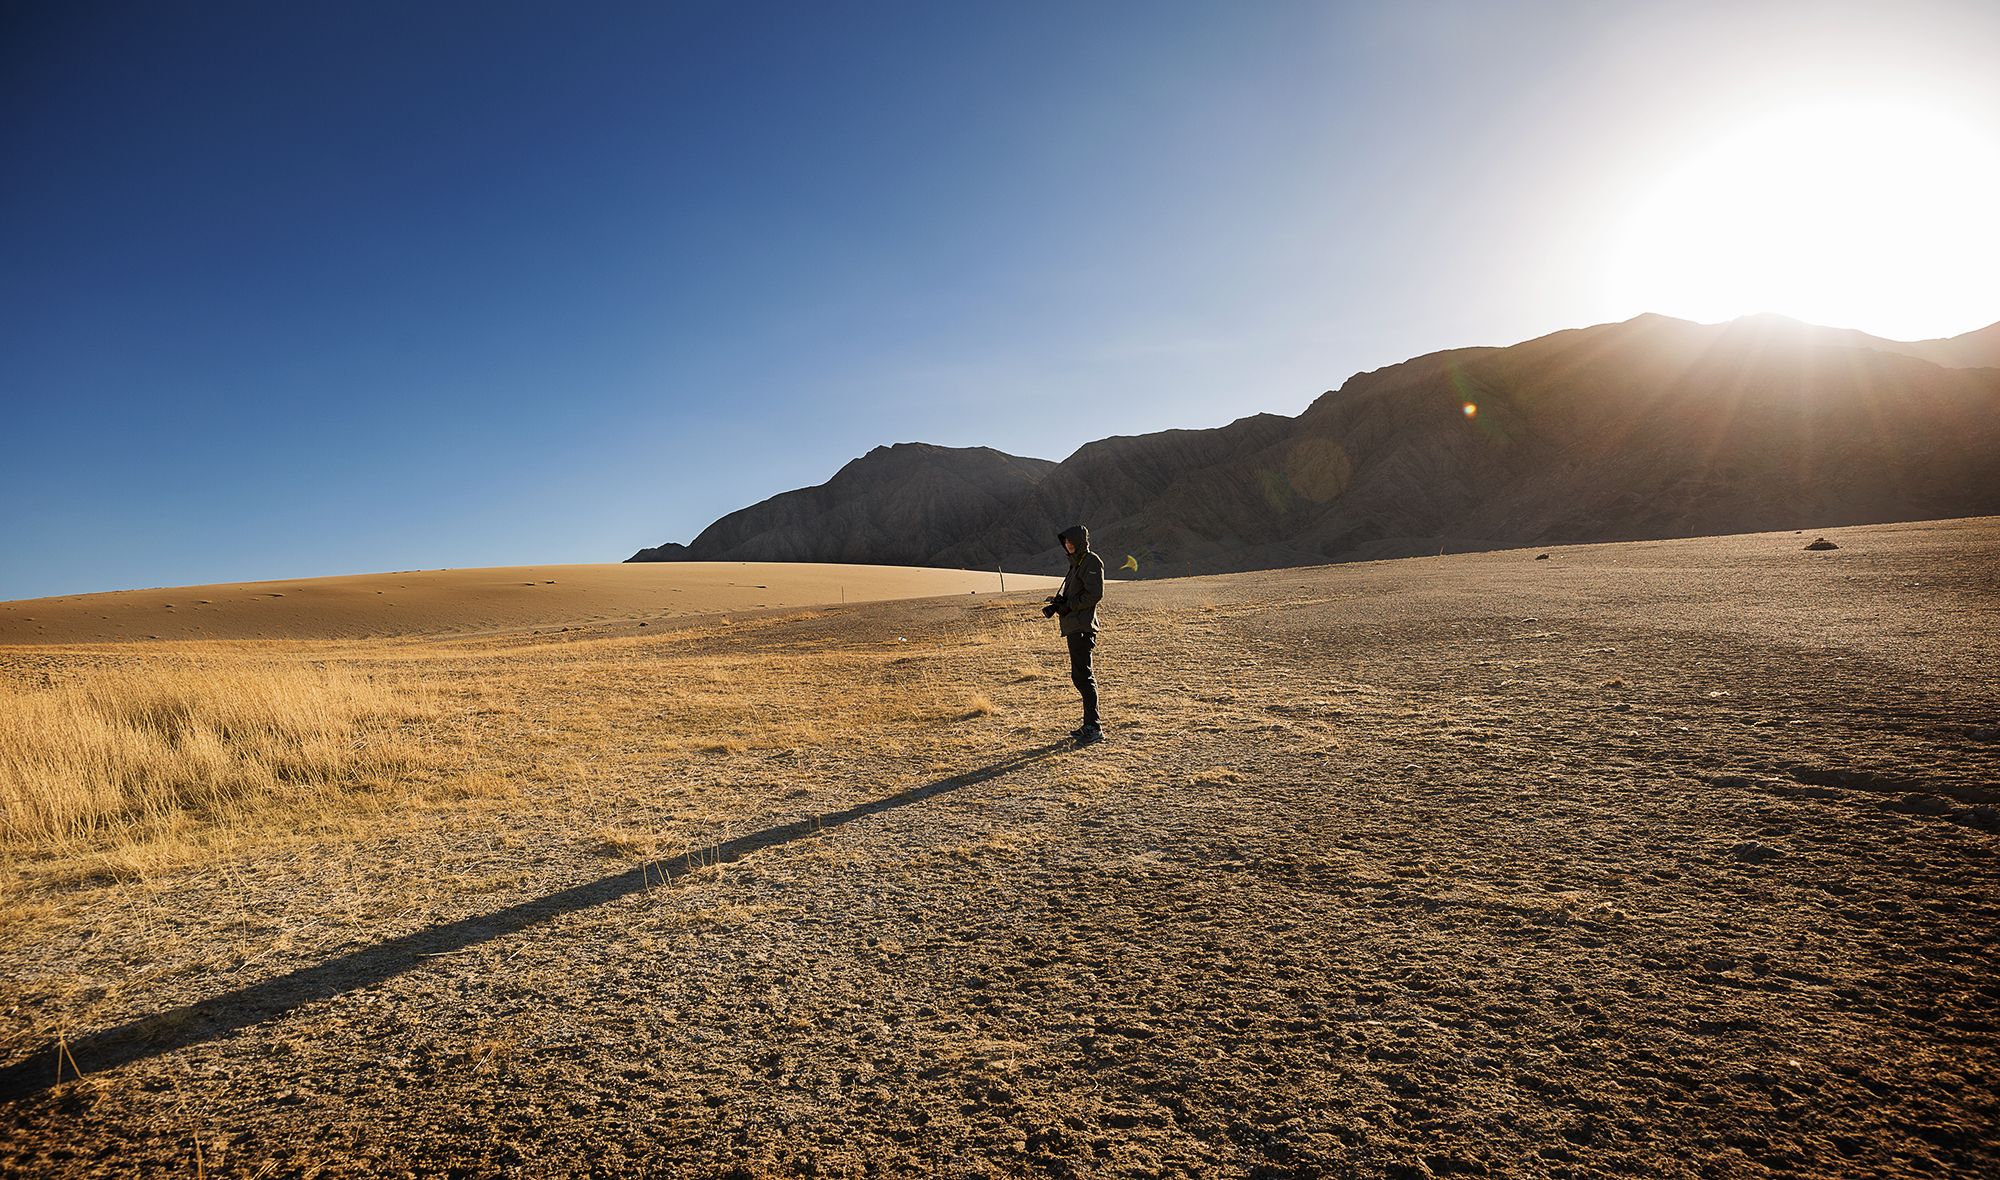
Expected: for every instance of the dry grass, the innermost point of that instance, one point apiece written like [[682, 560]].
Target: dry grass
[[128, 755], [636, 845], [990, 844], [120, 766], [727, 745]]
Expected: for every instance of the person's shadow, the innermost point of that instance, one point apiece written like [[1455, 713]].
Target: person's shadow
[[165, 1032]]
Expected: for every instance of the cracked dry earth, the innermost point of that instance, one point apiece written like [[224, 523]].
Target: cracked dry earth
[[1665, 859]]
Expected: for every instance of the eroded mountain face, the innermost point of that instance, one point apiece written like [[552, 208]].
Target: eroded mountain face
[[1650, 428]]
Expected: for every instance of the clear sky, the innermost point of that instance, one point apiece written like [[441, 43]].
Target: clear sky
[[300, 289]]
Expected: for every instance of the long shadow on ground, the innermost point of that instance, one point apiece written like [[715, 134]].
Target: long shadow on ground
[[157, 1033]]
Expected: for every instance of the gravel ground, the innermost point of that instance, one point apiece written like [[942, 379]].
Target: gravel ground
[[1666, 859]]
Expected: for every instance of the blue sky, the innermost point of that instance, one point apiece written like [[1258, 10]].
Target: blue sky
[[296, 290]]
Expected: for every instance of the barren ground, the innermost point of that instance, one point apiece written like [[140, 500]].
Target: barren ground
[[1665, 859]]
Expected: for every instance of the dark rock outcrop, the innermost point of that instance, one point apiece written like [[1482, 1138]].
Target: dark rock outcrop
[[671, 551], [1654, 427], [897, 505]]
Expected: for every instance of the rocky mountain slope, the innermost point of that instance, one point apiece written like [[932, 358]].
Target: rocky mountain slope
[[1972, 350], [1654, 427], [896, 505]]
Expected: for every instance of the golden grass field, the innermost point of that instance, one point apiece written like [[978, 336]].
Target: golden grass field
[[124, 759], [1670, 858]]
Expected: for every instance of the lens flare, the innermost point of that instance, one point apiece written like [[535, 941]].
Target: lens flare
[[1471, 411]]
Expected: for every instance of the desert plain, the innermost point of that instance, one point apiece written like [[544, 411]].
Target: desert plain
[[1669, 858], [439, 604]]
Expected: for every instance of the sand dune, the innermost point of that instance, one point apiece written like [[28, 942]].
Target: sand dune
[[474, 601]]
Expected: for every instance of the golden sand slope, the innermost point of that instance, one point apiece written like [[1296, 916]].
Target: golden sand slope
[[474, 601]]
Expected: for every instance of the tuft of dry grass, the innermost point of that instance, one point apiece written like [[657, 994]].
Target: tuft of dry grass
[[625, 842], [727, 745], [979, 705], [990, 844]]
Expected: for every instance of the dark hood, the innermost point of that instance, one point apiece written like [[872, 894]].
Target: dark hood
[[1080, 535]]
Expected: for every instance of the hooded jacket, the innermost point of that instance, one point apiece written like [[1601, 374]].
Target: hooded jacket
[[1083, 586]]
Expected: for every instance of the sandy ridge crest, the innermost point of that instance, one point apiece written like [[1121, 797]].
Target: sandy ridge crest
[[474, 601]]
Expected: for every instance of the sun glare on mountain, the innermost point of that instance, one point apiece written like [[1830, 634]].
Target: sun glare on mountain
[[1872, 215]]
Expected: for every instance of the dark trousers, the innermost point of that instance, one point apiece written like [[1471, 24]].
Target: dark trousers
[[1080, 674]]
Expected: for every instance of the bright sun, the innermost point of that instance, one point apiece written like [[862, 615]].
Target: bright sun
[[1873, 215]]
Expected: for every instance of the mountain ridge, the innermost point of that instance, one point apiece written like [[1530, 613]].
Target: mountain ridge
[[1652, 427]]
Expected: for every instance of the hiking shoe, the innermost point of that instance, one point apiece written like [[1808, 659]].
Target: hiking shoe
[[1087, 734]]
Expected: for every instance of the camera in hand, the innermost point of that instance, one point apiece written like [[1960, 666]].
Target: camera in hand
[[1054, 605]]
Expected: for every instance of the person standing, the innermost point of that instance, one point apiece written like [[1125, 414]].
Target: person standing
[[1076, 609]]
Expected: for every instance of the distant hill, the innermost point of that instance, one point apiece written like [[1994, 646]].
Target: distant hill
[[896, 505], [1654, 427]]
